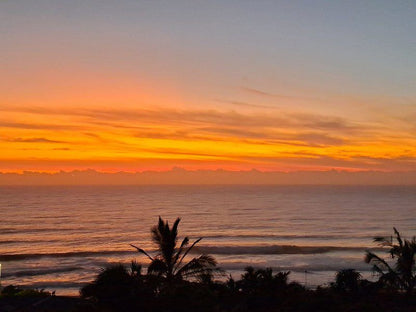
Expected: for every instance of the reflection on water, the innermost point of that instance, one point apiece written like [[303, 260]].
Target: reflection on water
[[92, 226]]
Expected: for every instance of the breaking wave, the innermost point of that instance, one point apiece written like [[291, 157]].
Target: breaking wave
[[273, 249], [26, 273], [214, 250]]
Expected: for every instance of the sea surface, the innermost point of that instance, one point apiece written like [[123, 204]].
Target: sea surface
[[59, 238]]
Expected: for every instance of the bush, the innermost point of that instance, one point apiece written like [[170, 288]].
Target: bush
[[18, 291]]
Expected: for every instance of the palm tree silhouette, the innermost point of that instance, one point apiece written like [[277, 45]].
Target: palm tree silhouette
[[169, 262], [403, 274]]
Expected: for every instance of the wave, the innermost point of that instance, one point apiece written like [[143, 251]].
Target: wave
[[289, 236], [310, 268], [273, 249], [14, 257], [214, 250], [30, 241], [27, 273], [55, 284], [42, 230], [236, 267]]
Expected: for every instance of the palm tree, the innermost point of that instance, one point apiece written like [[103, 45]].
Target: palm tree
[[169, 262], [403, 273]]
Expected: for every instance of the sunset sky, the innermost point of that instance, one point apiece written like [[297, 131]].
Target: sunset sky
[[235, 85]]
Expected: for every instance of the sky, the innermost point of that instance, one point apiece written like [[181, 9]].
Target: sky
[[234, 85]]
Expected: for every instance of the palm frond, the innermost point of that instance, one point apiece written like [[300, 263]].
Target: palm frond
[[403, 275], [188, 250], [383, 241], [398, 237], [142, 251], [184, 243], [157, 266], [174, 230], [199, 265], [156, 235], [157, 232], [377, 261]]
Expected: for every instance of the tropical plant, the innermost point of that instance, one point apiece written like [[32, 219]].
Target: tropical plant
[[119, 288], [263, 280], [169, 262], [115, 280], [403, 274], [347, 280], [17, 291]]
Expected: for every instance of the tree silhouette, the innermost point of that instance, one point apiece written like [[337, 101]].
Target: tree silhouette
[[347, 280], [403, 273], [169, 262], [263, 280]]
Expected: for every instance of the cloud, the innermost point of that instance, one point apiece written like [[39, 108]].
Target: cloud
[[32, 126], [120, 129], [309, 161], [93, 135], [259, 92], [319, 139], [190, 152], [136, 118], [233, 132], [247, 135], [34, 140], [244, 104], [272, 95]]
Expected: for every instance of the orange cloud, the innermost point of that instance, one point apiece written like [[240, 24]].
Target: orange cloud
[[44, 137]]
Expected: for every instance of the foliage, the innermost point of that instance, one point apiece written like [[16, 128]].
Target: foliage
[[18, 291], [175, 285], [166, 284], [347, 280], [169, 262], [403, 274], [117, 287], [262, 280], [114, 280], [257, 290]]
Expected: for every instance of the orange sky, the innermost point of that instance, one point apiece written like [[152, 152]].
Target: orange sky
[[235, 90]]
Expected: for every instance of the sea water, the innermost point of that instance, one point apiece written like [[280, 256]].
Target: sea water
[[60, 237]]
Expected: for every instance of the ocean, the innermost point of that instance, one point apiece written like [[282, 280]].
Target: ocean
[[59, 237]]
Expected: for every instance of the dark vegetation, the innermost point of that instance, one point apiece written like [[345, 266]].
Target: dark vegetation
[[16, 291], [168, 265], [19, 299], [402, 274], [174, 283]]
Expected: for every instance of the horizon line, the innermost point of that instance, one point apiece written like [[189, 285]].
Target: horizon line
[[182, 169]]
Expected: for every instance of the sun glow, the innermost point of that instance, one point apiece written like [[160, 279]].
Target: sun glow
[[77, 92]]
